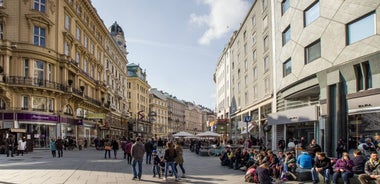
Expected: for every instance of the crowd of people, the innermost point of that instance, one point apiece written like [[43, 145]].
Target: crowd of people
[[265, 166]]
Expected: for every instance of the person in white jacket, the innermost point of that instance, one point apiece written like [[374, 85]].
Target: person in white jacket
[[21, 146]]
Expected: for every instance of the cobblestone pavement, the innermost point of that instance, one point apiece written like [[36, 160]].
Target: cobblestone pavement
[[90, 167]]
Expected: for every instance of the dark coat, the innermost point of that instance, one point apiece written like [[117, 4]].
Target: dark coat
[[263, 175], [359, 162]]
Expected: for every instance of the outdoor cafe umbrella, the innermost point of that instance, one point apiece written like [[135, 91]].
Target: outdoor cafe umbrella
[[208, 134], [183, 134]]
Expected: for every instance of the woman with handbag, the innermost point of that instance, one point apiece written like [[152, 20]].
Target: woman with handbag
[[107, 149]]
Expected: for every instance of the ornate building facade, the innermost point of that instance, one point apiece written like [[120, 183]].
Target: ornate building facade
[[138, 94], [158, 113], [54, 83]]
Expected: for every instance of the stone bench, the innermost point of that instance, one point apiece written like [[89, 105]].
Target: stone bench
[[303, 174]]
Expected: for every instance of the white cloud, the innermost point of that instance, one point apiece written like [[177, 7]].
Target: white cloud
[[224, 15]]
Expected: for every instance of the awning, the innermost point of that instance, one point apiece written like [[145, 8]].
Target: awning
[[303, 114], [364, 110]]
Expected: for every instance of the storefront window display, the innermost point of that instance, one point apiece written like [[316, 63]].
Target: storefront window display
[[366, 125], [40, 134]]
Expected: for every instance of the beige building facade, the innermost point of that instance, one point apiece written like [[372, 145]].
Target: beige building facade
[[53, 66], [159, 113], [138, 93], [248, 58]]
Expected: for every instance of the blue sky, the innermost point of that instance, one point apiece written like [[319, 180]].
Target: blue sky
[[178, 42]]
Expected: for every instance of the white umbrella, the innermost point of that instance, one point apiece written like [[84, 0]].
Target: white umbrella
[[208, 134], [183, 134]]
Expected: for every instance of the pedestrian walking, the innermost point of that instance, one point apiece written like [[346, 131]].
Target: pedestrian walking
[[115, 147], [107, 149], [179, 159], [148, 151], [59, 145], [156, 164], [21, 147], [10, 142], [128, 150], [53, 148], [169, 158], [137, 152]]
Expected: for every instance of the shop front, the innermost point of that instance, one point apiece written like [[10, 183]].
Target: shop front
[[295, 123], [363, 118], [39, 128]]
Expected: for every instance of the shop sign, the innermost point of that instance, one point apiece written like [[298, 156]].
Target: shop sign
[[36, 117], [96, 116]]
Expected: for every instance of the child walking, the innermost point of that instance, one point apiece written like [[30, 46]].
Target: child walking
[[156, 164]]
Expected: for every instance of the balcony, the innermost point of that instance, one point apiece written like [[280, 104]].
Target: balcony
[[29, 81]]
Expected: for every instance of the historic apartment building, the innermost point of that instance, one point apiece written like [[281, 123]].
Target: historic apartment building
[[244, 76], [158, 107], [139, 123], [54, 57], [319, 66]]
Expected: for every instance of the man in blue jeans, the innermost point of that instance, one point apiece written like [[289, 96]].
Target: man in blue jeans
[[322, 166], [137, 153]]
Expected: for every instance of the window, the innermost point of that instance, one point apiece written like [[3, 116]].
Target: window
[[255, 73], [67, 22], [246, 80], [39, 72], [254, 55], [77, 57], [253, 20], [267, 86], [26, 68], [67, 48], [254, 38], [313, 51], [246, 98], [266, 43], [311, 13], [78, 33], [245, 65], [25, 102], [285, 6], [85, 65], [1, 31], [363, 76], [40, 5], [362, 28], [79, 11], [255, 92], [286, 36], [51, 105], [85, 40], [265, 4], [266, 64], [92, 71], [287, 67], [39, 36], [265, 22]]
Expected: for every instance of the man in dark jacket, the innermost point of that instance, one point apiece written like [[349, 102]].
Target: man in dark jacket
[[313, 148], [10, 144], [148, 150], [322, 166], [59, 145]]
